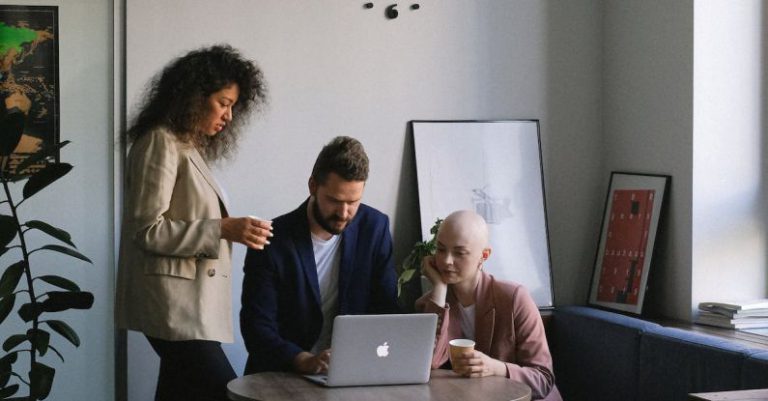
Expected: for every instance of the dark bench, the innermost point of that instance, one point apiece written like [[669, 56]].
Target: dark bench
[[600, 355]]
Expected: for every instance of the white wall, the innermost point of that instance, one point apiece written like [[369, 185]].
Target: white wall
[[648, 123], [336, 68], [688, 99], [729, 182], [81, 202], [572, 126], [612, 83]]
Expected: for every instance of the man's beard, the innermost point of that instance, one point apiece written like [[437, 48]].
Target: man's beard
[[323, 222]]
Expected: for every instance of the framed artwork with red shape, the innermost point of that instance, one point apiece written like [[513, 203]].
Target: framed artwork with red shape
[[627, 236]]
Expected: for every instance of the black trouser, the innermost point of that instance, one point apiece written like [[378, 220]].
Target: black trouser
[[193, 370]]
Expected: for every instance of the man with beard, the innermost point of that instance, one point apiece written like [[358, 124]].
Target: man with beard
[[331, 256]]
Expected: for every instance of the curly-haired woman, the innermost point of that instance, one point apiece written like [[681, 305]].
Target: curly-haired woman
[[174, 280]]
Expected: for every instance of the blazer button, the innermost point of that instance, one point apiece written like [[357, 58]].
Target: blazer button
[[211, 272]]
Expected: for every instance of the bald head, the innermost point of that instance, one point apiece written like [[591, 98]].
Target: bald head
[[462, 248], [467, 227]]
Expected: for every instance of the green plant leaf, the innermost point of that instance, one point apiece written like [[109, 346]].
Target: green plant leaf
[[40, 155], [6, 392], [65, 331], [7, 361], [30, 311], [5, 377], [10, 137], [435, 226], [10, 279], [60, 282], [54, 232], [407, 275], [6, 306], [58, 301], [7, 229], [39, 339], [411, 266], [13, 341], [6, 368], [45, 177], [55, 351], [66, 251], [41, 380]]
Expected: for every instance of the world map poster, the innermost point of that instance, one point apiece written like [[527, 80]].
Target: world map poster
[[29, 76]]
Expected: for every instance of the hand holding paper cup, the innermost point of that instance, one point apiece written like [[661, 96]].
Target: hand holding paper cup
[[250, 231], [459, 346]]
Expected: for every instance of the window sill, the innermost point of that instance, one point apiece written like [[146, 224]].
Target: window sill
[[757, 339]]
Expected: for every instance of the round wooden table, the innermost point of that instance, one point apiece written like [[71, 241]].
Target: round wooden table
[[443, 385]]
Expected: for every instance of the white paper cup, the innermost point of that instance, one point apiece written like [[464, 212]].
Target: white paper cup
[[458, 346]]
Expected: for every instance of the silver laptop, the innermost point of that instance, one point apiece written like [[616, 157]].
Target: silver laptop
[[380, 349]]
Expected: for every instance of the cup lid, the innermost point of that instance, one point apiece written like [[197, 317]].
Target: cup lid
[[461, 342]]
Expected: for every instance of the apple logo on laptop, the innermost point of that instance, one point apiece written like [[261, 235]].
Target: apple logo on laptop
[[382, 350]]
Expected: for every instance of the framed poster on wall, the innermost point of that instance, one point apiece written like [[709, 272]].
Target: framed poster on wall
[[29, 80], [627, 235], [495, 169]]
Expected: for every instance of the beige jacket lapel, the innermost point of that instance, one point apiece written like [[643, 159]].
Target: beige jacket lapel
[[202, 167]]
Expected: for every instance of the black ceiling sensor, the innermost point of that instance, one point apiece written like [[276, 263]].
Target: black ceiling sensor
[[391, 11]]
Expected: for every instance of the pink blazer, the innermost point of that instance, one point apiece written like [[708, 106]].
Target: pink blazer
[[508, 327]]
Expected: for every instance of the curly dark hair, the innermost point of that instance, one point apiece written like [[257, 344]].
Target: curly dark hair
[[176, 98], [344, 156]]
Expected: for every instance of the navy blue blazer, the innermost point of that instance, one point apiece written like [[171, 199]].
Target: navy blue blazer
[[281, 315]]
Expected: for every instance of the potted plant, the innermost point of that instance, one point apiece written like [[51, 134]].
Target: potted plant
[[409, 278], [35, 298]]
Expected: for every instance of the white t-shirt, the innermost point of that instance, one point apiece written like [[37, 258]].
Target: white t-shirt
[[327, 259], [468, 321]]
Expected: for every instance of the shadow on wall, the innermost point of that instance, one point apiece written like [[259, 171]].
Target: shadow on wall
[[406, 219], [572, 144]]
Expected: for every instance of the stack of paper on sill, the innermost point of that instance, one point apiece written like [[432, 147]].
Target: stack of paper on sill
[[734, 315]]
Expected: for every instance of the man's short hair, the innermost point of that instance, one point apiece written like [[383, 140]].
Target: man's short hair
[[344, 156]]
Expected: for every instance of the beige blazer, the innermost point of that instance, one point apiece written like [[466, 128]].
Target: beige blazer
[[174, 273]]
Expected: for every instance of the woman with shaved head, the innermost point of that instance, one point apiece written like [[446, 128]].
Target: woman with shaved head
[[500, 316]]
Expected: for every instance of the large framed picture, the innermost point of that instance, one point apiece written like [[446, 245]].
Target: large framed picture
[[29, 83], [495, 169], [627, 236]]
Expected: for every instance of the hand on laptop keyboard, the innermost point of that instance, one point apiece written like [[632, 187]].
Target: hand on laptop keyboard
[[308, 363]]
